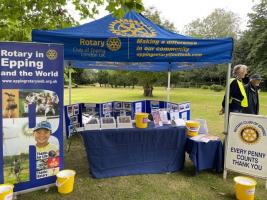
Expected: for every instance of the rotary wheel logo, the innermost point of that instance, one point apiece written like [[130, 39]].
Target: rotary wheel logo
[[51, 54], [125, 27], [249, 135], [113, 44]]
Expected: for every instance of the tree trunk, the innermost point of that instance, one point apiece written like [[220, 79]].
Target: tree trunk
[[148, 90]]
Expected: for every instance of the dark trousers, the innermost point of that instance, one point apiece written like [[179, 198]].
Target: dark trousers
[[234, 107]]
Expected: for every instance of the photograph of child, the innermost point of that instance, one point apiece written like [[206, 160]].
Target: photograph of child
[[47, 154]]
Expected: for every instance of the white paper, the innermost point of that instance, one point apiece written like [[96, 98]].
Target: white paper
[[164, 116], [184, 115], [174, 114], [138, 107]]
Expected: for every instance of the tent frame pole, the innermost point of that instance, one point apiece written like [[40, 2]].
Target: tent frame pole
[[169, 85], [226, 115], [70, 85]]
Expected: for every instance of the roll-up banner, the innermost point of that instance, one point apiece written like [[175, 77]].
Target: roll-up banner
[[31, 146]]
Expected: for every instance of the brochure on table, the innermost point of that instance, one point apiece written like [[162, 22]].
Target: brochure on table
[[31, 97]]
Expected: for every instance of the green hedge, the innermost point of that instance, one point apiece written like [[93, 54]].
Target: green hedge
[[216, 88], [205, 87]]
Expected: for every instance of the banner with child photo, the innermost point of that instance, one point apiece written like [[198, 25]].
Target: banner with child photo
[[31, 115]]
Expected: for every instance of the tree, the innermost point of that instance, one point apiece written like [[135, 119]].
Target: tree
[[19, 17], [251, 47], [102, 77], [133, 78], [220, 23], [148, 79], [154, 15], [118, 78], [258, 37]]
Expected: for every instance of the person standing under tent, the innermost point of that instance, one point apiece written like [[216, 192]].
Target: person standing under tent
[[252, 90], [238, 100]]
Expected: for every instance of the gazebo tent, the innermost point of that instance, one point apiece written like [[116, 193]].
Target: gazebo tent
[[135, 43], [135, 38]]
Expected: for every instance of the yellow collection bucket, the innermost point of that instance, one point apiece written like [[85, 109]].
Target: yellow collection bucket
[[65, 181], [6, 191], [244, 188], [192, 128], [141, 120]]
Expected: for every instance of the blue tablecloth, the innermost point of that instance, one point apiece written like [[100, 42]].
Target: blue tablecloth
[[206, 155], [120, 152]]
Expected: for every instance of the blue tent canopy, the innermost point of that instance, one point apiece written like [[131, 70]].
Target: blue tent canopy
[[135, 43]]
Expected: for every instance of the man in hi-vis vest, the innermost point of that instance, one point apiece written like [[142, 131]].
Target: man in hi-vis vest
[[238, 98]]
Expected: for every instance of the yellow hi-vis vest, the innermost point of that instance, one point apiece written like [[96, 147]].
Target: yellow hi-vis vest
[[244, 102]]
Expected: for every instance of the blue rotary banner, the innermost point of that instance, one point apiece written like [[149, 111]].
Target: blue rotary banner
[[31, 148]]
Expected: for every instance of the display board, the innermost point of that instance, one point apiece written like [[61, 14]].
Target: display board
[[138, 107], [184, 110], [31, 98], [154, 105], [75, 114], [73, 117], [246, 150], [121, 108]]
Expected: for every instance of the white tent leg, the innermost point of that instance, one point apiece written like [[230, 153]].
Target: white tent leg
[[226, 115], [69, 85], [227, 94], [169, 86]]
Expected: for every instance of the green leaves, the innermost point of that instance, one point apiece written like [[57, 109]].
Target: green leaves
[[251, 48], [220, 23], [120, 7], [19, 17], [154, 15]]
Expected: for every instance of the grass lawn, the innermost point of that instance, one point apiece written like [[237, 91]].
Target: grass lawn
[[179, 185]]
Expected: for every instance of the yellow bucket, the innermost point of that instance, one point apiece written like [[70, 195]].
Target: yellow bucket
[[6, 191], [141, 120], [65, 181], [244, 188], [192, 128]]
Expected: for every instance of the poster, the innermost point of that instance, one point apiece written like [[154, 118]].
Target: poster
[[138, 107], [246, 145], [32, 102], [121, 108]]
